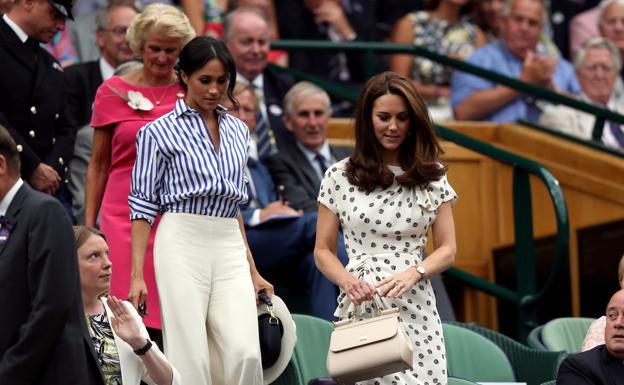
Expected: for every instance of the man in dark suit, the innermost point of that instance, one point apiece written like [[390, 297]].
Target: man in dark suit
[[32, 93], [604, 364], [247, 34], [284, 247], [330, 20], [82, 81], [300, 166], [44, 339], [281, 239]]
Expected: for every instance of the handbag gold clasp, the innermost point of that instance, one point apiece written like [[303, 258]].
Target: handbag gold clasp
[[273, 320]]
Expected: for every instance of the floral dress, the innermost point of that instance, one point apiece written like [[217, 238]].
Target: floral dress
[[442, 37], [385, 232], [105, 348]]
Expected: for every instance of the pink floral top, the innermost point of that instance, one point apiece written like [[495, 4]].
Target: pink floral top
[[595, 334]]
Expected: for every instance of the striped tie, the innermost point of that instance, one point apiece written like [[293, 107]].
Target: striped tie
[[263, 132], [264, 137]]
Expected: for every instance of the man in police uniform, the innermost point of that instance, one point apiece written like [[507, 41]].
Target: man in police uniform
[[32, 93]]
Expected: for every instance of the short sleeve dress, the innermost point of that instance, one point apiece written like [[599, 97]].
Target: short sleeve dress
[[385, 232], [111, 110]]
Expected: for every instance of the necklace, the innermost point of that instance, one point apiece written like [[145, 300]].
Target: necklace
[[158, 100]]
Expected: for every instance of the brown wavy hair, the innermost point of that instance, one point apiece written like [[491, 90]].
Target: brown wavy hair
[[418, 154], [82, 233]]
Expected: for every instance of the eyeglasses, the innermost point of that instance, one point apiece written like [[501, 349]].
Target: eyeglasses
[[119, 31]]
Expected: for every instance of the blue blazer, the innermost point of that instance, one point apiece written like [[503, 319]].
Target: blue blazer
[[265, 189]]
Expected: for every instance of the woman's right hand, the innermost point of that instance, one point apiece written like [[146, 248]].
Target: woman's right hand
[[358, 290], [138, 293]]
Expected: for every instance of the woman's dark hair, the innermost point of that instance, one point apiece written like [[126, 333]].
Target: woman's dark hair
[[198, 52], [418, 154], [82, 233]]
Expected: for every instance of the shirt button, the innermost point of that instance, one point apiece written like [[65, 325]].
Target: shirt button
[[61, 161], [31, 133], [19, 148], [33, 109]]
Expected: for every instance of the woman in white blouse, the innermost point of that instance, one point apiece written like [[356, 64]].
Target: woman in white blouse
[[190, 167]]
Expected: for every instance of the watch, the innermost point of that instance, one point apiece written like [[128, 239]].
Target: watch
[[421, 270], [144, 349]]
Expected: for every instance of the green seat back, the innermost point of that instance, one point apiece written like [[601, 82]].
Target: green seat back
[[534, 339], [474, 357], [310, 353], [459, 381], [309, 358], [565, 334], [530, 365]]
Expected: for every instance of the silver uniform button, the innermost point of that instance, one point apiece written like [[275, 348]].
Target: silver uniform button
[[53, 140], [31, 133], [33, 109], [61, 161], [19, 148], [56, 116]]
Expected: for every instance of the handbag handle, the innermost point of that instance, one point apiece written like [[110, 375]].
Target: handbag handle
[[376, 300], [263, 297]]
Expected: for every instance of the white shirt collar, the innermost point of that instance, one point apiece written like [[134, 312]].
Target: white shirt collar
[[8, 198], [253, 148], [16, 28], [611, 104], [325, 152], [106, 69], [257, 83]]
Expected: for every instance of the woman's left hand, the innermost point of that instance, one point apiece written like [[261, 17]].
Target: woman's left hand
[[395, 285], [124, 324], [261, 285]]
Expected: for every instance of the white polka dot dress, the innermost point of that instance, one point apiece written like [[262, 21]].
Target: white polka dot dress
[[385, 232]]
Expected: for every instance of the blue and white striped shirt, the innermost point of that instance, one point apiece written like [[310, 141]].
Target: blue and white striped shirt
[[178, 170]]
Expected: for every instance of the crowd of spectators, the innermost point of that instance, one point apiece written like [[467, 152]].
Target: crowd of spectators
[[532, 40], [75, 110], [513, 38]]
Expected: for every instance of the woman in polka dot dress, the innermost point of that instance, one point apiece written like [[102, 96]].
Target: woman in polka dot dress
[[385, 197]]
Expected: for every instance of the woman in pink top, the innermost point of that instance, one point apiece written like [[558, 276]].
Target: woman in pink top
[[596, 333], [122, 106]]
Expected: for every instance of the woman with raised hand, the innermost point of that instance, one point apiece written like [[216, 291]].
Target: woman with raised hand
[[122, 345]]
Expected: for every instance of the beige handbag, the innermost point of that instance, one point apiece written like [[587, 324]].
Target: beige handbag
[[374, 347]]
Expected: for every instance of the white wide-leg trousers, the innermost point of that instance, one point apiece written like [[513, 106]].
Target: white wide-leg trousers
[[207, 300]]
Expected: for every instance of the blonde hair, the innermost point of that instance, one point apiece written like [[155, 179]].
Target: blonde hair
[[241, 87], [160, 18]]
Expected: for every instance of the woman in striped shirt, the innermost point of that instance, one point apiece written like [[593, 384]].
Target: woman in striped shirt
[[190, 167]]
